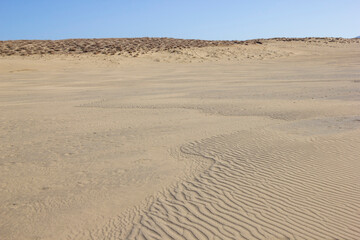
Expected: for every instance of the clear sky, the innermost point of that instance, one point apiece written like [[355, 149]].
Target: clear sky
[[200, 19]]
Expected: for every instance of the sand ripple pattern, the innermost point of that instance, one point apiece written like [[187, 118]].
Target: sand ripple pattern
[[253, 192]]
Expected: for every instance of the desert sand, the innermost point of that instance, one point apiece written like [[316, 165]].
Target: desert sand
[[179, 139]]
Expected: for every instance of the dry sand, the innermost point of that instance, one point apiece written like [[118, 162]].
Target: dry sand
[[229, 140]]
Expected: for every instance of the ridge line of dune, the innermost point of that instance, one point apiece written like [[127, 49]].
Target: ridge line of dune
[[130, 46]]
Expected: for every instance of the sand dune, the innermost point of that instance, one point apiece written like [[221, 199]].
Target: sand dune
[[135, 47], [189, 140], [108, 46]]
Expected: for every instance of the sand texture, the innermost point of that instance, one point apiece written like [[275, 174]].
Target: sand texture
[[180, 139]]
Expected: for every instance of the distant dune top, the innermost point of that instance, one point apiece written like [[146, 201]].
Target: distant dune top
[[127, 46], [108, 46]]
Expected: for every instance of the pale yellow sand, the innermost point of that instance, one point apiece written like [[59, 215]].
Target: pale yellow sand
[[234, 142]]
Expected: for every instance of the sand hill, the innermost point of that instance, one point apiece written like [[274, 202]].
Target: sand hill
[[130, 46], [180, 139]]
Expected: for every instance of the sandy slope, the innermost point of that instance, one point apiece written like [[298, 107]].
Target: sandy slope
[[257, 141]]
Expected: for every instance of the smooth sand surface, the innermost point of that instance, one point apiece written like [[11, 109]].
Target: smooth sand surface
[[256, 141]]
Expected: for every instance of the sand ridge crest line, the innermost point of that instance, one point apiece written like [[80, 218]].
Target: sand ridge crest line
[[137, 46]]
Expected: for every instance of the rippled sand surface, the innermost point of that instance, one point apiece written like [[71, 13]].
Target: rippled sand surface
[[258, 141]]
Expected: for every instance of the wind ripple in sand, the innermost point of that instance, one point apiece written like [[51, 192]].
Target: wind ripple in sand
[[260, 187]]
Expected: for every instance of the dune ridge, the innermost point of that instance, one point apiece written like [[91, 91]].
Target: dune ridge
[[134, 46]]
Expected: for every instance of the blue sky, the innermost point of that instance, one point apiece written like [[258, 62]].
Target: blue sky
[[200, 19]]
